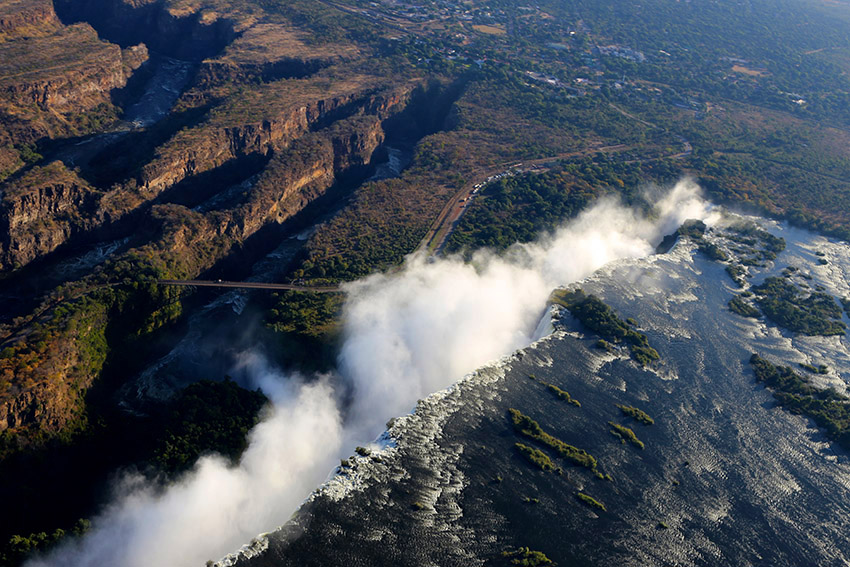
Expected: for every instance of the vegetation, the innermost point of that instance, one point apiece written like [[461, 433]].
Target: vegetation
[[531, 429], [830, 410], [591, 501], [741, 307], [820, 369], [636, 414], [625, 434], [695, 230], [18, 548], [525, 557], [784, 303], [562, 394], [519, 208], [304, 313], [750, 234], [536, 457], [737, 273], [601, 319], [207, 417]]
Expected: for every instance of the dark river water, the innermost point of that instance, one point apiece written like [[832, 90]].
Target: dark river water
[[736, 480]]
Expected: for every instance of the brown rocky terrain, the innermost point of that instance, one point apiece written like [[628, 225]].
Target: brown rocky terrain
[[43, 208], [270, 122], [46, 206], [44, 385], [27, 18], [185, 32], [55, 80]]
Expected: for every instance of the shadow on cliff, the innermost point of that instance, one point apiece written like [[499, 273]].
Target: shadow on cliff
[[182, 37]]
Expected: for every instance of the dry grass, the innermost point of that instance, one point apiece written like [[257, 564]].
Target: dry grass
[[749, 72], [26, 18], [71, 49], [490, 30], [267, 43]]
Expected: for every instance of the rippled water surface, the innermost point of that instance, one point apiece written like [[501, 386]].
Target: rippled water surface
[[736, 479]]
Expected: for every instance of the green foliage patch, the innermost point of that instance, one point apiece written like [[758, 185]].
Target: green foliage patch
[[525, 557], [519, 208], [601, 319], [531, 429], [18, 548], [784, 303], [591, 501], [536, 457], [741, 307], [625, 434], [829, 409], [562, 394], [207, 417], [636, 414]]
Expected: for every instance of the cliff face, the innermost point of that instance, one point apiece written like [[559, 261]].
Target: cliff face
[[45, 387], [76, 89], [68, 70], [188, 34], [45, 208], [26, 17], [208, 146], [43, 381], [49, 205], [303, 172], [55, 81]]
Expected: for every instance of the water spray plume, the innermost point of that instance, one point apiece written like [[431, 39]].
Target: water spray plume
[[406, 335]]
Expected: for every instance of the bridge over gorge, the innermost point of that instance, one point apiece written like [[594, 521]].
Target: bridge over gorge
[[252, 285]]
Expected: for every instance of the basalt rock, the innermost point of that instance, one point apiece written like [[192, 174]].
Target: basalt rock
[[43, 378], [41, 211]]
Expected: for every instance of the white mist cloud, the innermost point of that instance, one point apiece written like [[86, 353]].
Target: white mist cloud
[[417, 332], [407, 334], [217, 507]]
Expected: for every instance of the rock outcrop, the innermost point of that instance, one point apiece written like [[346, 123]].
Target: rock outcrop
[[190, 33], [27, 18], [211, 145], [85, 79], [45, 384], [55, 81], [46, 207]]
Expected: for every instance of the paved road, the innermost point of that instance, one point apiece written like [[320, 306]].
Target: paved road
[[441, 228], [252, 285]]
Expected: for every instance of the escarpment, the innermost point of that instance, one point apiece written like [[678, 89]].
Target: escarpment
[[212, 144], [268, 52], [45, 207], [58, 215], [184, 33], [27, 17], [56, 81], [71, 346], [83, 83]]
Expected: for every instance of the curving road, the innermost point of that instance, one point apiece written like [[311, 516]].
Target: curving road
[[442, 227], [252, 285]]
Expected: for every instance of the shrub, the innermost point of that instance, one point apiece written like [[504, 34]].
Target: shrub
[[591, 501]]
